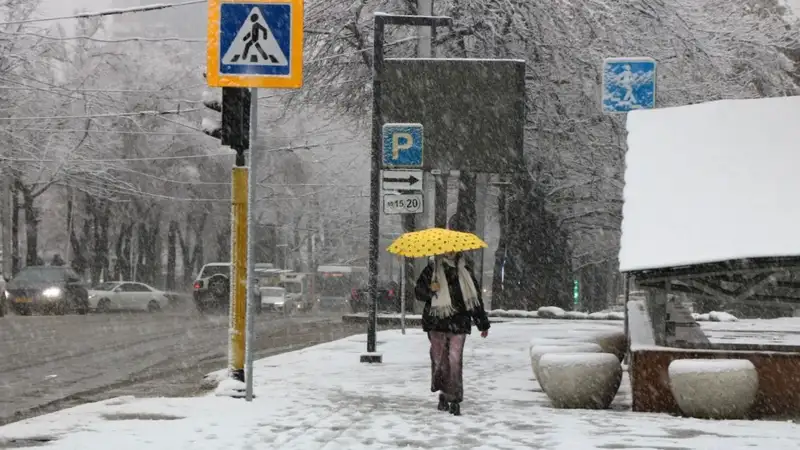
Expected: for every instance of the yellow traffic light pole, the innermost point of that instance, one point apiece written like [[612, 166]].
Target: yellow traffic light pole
[[238, 303]]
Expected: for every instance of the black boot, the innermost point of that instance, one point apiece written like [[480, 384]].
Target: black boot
[[443, 405], [455, 408]]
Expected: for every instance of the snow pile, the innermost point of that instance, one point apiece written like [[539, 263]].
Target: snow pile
[[323, 397], [512, 313], [715, 316], [554, 312], [229, 387], [576, 315], [744, 158], [551, 312], [719, 316]]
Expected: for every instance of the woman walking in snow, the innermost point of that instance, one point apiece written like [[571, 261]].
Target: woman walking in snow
[[452, 302]]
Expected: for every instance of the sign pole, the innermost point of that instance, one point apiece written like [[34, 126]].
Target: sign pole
[[250, 44], [402, 144], [236, 346], [403, 289], [374, 193], [252, 289]]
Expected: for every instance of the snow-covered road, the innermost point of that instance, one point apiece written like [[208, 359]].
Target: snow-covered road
[[52, 362]]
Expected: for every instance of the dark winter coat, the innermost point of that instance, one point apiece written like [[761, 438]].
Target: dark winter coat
[[461, 320]]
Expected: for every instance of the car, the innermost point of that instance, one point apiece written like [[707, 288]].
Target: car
[[276, 299], [126, 295], [56, 289], [388, 299], [212, 287]]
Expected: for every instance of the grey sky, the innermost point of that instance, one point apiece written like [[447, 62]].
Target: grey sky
[[65, 7]]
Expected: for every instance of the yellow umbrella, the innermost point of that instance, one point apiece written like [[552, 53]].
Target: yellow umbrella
[[433, 242]]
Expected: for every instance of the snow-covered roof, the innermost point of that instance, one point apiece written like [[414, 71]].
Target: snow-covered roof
[[711, 182]]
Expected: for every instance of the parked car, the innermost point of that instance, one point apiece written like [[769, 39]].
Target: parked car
[[388, 299], [212, 288], [126, 295], [276, 299], [55, 289]]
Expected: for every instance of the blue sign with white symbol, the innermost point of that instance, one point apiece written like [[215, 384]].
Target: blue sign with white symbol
[[255, 39], [402, 145], [628, 84]]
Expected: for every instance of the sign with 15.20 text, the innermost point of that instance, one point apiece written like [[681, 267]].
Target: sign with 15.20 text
[[402, 204]]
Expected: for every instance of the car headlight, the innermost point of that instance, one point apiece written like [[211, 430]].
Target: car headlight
[[52, 292], [8, 295], [279, 303]]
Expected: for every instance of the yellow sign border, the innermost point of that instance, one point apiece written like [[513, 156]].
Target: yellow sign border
[[295, 78]]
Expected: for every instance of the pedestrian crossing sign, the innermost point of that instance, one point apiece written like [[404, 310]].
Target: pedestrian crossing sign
[[255, 43]]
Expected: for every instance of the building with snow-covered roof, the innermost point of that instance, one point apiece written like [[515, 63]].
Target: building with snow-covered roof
[[710, 202]]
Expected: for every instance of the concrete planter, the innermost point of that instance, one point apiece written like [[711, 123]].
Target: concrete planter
[[614, 342], [537, 351], [580, 380], [714, 388]]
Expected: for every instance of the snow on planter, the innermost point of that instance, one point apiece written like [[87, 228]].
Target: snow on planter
[[614, 342], [598, 316], [581, 380], [551, 312], [576, 315], [537, 351], [714, 388]]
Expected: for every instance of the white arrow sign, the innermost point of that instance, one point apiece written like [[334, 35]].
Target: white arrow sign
[[401, 180]]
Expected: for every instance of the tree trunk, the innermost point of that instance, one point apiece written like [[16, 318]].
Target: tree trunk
[[223, 241], [172, 238], [31, 229], [79, 261], [100, 223], [122, 269], [15, 261], [148, 262], [465, 218]]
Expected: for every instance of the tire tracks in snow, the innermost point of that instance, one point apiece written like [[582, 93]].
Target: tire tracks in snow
[[161, 365]]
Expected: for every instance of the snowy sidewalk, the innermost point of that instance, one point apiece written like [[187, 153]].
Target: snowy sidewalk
[[323, 398]]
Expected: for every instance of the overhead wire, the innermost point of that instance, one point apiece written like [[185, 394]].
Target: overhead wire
[[108, 12], [171, 158]]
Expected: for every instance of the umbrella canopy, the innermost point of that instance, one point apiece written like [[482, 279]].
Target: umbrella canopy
[[433, 242]]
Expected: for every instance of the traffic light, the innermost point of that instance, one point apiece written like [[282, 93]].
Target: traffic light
[[234, 128]]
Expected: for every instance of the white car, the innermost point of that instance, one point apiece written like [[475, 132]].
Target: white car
[[126, 295], [274, 298]]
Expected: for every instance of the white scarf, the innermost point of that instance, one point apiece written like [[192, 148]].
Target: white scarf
[[441, 304]]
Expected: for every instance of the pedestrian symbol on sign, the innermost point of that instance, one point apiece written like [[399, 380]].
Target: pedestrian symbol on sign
[[255, 44]]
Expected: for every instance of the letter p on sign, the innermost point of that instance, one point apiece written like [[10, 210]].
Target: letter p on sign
[[402, 145], [400, 142]]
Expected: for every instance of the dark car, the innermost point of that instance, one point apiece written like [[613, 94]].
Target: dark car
[[388, 299], [48, 289], [212, 288]]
